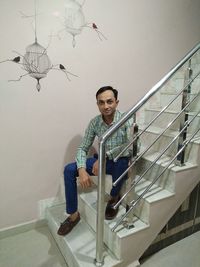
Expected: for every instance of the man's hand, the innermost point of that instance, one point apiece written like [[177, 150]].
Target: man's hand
[[95, 168], [84, 178]]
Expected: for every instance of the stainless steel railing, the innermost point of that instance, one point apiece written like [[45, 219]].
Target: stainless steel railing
[[161, 134], [131, 113], [135, 202]]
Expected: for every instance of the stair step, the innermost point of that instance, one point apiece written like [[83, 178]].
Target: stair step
[[156, 193], [113, 240], [79, 246], [168, 115], [167, 179], [153, 132]]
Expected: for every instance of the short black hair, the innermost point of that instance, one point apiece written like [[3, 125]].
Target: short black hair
[[105, 88]]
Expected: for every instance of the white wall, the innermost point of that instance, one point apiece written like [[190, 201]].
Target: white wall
[[39, 132]]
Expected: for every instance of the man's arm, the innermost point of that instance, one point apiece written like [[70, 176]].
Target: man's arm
[[85, 146], [81, 156]]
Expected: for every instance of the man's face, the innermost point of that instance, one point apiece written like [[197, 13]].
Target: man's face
[[107, 103]]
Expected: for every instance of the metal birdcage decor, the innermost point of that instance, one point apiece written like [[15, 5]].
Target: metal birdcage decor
[[74, 19], [36, 62]]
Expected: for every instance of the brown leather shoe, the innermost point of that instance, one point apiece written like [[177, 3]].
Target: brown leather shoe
[[67, 225], [110, 212]]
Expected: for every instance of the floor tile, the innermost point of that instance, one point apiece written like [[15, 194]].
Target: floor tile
[[34, 248]]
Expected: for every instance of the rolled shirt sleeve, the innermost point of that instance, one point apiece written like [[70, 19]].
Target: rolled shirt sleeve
[[85, 145]]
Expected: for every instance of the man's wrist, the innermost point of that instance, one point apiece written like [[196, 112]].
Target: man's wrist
[[81, 170]]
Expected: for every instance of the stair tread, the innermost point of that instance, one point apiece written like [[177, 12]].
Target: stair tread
[[164, 160], [90, 198], [80, 243], [158, 130], [171, 111], [156, 192], [159, 109], [169, 133]]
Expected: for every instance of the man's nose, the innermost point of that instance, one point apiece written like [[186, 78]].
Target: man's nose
[[106, 105]]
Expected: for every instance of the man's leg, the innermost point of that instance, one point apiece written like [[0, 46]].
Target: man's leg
[[119, 168], [115, 169], [70, 174]]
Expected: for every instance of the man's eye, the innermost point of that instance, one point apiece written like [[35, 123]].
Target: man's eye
[[109, 102]]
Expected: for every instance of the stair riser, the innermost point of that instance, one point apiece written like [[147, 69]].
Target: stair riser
[[162, 121], [148, 137], [141, 211], [196, 83], [110, 238], [166, 98], [167, 179]]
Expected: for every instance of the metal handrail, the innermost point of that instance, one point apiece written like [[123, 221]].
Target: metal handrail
[[134, 203], [151, 122], [187, 123], [102, 157], [151, 92]]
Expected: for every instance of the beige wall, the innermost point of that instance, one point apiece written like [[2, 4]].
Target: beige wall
[[40, 131]]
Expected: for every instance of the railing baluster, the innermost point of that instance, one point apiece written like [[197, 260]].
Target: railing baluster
[[185, 99], [131, 176]]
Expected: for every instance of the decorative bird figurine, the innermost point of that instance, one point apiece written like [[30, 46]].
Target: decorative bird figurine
[[61, 67], [16, 59]]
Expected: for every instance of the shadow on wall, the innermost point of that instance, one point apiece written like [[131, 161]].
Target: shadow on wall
[[70, 152], [71, 149]]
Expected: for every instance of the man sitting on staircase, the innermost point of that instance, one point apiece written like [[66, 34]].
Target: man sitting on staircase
[[107, 102]]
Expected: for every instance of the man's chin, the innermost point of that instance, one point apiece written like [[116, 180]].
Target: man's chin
[[107, 114]]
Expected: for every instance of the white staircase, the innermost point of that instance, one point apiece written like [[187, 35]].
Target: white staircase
[[124, 247]]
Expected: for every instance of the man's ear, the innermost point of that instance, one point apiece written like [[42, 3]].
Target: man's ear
[[117, 101]]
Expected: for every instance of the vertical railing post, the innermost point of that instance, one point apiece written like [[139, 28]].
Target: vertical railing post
[[186, 95], [131, 176], [99, 260]]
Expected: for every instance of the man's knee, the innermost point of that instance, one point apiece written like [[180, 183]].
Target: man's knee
[[70, 170]]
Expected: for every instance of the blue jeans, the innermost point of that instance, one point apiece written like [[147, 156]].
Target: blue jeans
[[70, 173]]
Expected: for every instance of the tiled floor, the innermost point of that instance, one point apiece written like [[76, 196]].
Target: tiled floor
[[185, 253], [36, 248]]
